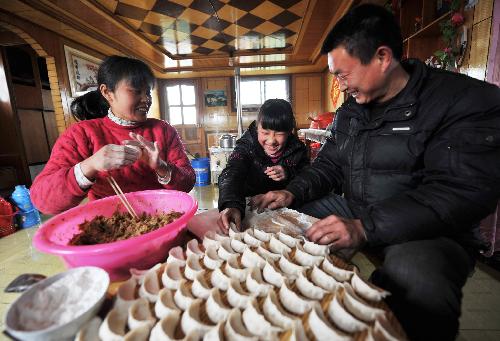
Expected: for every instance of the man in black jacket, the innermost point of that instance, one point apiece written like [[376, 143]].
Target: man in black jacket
[[415, 152]]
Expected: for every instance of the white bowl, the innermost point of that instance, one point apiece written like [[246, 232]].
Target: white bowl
[[41, 313]]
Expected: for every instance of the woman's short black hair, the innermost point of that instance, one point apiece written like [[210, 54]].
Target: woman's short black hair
[[112, 70], [363, 30], [89, 106], [116, 68], [277, 114]]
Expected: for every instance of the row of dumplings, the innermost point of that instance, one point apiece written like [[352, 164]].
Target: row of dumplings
[[248, 286]]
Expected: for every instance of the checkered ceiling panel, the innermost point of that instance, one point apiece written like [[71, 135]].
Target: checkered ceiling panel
[[190, 28]]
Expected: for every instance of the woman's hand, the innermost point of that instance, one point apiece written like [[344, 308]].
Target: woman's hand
[[229, 215], [276, 173], [150, 153], [109, 157]]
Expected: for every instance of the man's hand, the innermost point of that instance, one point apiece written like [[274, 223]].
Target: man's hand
[[276, 173], [229, 215], [341, 232], [109, 157], [271, 200]]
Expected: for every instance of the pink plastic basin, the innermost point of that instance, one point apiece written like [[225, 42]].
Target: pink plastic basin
[[117, 258]]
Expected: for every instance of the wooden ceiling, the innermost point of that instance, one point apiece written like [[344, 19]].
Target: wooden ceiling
[[188, 38]]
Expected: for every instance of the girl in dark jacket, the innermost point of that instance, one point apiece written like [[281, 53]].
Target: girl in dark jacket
[[266, 157]]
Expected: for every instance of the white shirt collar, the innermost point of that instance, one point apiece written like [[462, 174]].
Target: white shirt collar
[[120, 121]]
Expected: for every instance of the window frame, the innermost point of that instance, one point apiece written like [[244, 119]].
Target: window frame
[[254, 107], [164, 99]]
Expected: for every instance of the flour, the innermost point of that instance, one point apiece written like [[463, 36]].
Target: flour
[[60, 302]]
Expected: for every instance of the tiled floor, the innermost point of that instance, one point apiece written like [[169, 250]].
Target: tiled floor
[[481, 304]]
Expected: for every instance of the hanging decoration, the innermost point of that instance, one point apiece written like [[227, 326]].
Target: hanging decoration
[[335, 92], [454, 35]]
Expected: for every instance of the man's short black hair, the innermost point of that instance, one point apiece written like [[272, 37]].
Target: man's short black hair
[[363, 30]]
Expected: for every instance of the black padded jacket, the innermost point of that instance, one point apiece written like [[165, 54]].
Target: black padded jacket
[[428, 167], [244, 174]]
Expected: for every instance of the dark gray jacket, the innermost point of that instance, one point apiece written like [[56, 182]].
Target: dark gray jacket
[[244, 174], [430, 166]]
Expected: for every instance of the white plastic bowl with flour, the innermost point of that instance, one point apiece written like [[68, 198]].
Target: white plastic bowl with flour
[[56, 308]]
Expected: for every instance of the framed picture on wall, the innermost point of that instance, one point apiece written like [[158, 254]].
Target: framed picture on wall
[[215, 98], [82, 71]]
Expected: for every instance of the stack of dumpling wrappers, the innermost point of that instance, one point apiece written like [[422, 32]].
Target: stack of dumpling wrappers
[[251, 285]]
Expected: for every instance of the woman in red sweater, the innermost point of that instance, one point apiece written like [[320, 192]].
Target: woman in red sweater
[[140, 153]]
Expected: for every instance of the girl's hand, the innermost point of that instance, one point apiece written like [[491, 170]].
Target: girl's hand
[[229, 215], [150, 152], [109, 157], [276, 173]]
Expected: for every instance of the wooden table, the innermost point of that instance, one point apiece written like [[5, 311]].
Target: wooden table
[[18, 256]]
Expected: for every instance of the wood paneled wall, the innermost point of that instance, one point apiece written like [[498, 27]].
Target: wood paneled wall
[[476, 62], [307, 97]]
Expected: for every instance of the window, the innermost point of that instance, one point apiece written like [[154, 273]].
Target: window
[[255, 91], [181, 102]]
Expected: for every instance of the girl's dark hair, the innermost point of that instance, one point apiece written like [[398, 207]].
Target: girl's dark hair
[[277, 114], [89, 106], [363, 30], [112, 70]]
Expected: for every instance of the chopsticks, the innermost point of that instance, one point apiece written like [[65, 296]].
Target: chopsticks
[[122, 196]]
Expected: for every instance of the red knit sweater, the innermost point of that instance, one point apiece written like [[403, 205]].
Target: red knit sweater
[[55, 189]]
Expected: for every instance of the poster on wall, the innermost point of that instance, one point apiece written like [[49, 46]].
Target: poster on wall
[[215, 98], [82, 71]]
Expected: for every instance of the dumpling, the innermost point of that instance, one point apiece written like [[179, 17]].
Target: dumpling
[[236, 297], [306, 259], [212, 259], [193, 249], [193, 267], [339, 274], [172, 276], [139, 314], [275, 313], [321, 328], [250, 259], [342, 318], [150, 287], [114, 325], [216, 310], [293, 302], [219, 279], [200, 288], [176, 255], [257, 323], [255, 284], [165, 304], [308, 289], [278, 247], [235, 330], [323, 280], [183, 297], [272, 275], [233, 270], [316, 249], [366, 290], [191, 321], [126, 294]]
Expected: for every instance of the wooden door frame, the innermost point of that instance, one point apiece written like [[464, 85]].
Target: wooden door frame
[[16, 156]]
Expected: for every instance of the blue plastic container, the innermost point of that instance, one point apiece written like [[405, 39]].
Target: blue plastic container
[[28, 219], [21, 197], [201, 168], [28, 215]]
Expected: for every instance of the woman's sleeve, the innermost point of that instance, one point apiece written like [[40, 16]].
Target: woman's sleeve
[[183, 177], [55, 189]]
